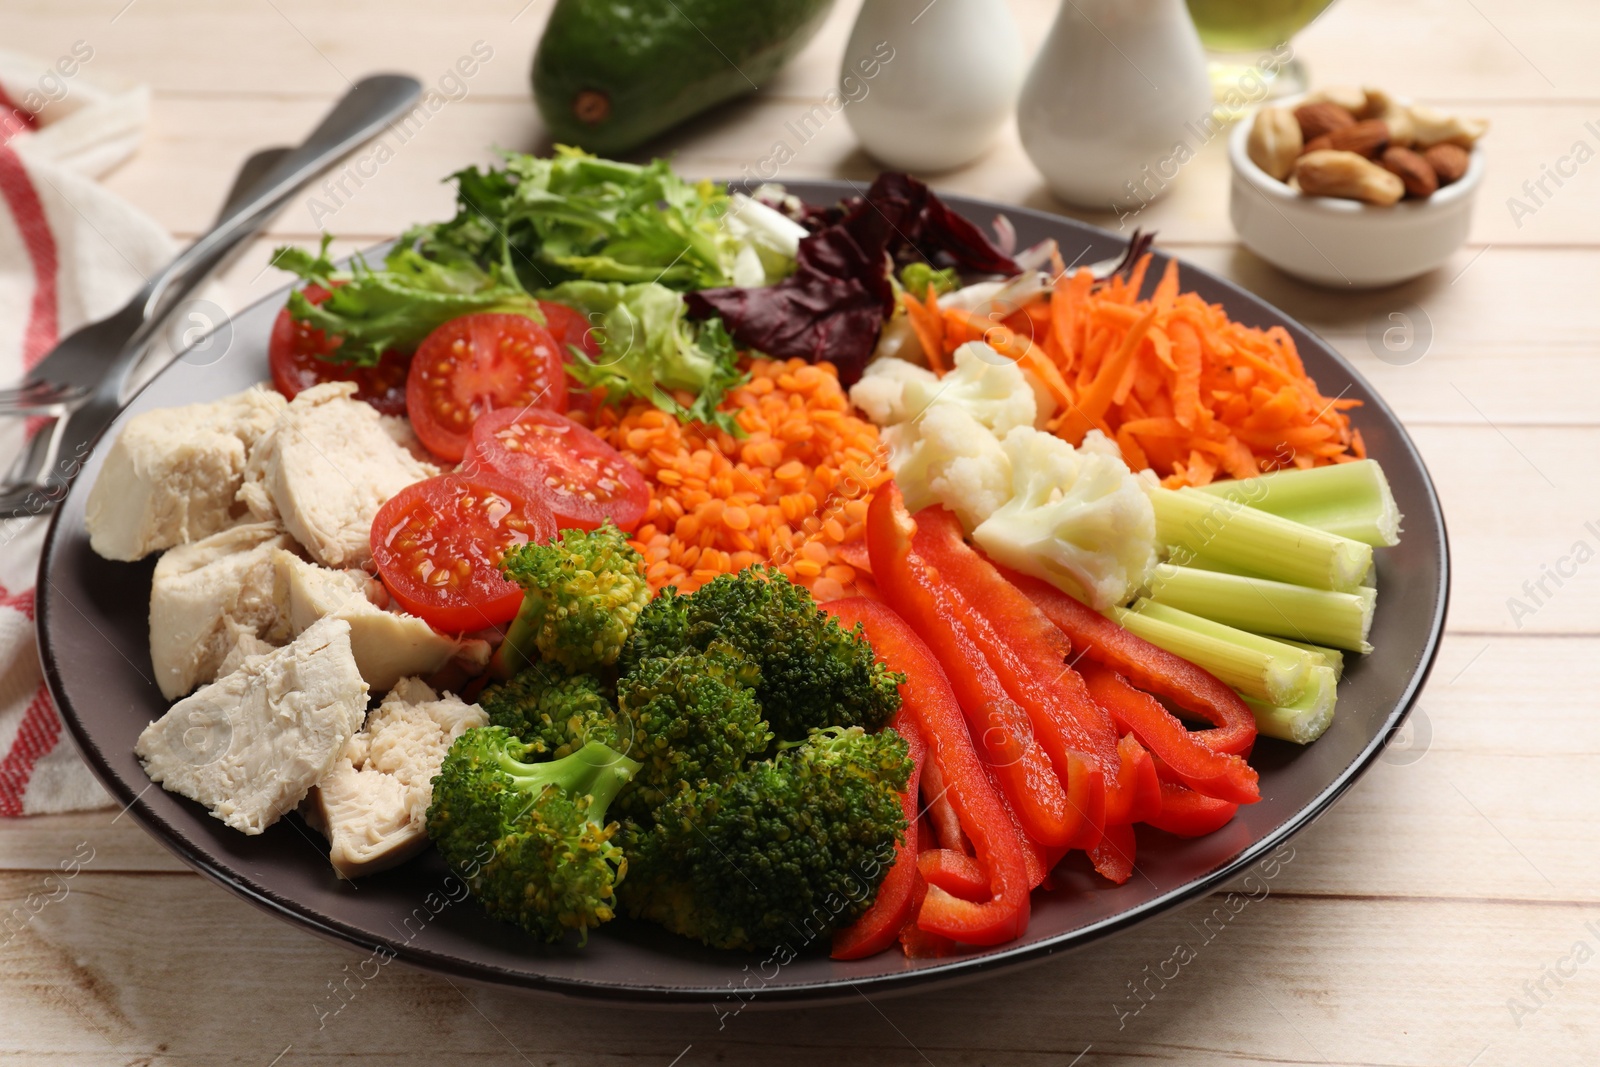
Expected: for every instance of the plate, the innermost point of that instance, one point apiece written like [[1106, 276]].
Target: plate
[[94, 641]]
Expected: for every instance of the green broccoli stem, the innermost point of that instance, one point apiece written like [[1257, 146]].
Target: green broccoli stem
[[595, 770], [518, 651]]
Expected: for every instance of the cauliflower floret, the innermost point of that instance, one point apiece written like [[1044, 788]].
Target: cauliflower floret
[[1044, 401], [1077, 517], [948, 457], [991, 387], [881, 391]]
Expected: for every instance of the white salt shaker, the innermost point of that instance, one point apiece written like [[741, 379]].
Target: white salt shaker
[[1117, 101], [946, 80]]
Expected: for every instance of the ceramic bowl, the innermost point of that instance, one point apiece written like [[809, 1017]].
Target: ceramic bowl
[[1345, 243]]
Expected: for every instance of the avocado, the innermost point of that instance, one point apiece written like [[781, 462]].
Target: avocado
[[611, 74]]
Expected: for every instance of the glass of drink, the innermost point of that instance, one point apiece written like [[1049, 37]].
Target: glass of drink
[[1248, 44]]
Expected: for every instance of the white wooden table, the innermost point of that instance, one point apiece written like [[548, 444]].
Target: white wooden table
[[1440, 914]]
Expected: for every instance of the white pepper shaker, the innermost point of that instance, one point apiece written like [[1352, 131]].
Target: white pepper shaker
[[947, 86], [1117, 101]]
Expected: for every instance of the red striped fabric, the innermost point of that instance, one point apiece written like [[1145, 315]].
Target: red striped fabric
[[41, 725]]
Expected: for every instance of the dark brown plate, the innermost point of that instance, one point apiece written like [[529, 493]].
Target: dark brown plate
[[92, 621]]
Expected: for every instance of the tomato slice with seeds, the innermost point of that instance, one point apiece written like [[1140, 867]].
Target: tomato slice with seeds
[[580, 478], [477, 363], [569, 327], [438, 544], [298, 355]]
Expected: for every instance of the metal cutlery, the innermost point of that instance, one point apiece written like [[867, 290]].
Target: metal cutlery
[[80, 386]]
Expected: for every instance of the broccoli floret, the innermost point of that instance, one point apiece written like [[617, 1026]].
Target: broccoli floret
[[580, 596], [813, 673], [531, 839], [783, 852], [553, 711], [692, 717], [660, 630]]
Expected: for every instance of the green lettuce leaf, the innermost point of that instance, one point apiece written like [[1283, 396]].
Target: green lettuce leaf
[[399, 305], [648, 347], [620, 241], [574, 216]]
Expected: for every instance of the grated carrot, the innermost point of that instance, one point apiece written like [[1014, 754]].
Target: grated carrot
[[792, 493], [1183, 389]]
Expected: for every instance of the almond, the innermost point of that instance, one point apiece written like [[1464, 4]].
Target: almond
[[1368, 137], [1413, 170], [1348, 176], [1321, 144], [1449, 162], [1320, 118], [1274, 141], [1352, 98]]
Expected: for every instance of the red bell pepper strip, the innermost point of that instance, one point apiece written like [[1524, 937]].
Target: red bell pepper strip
[[880, 924], [1216, 774], [1036, 860], [1137, 783], [927, 697], [941, 815], [854, 553], [1152, 669], [998, 727], [1028, 652], [927, 836], [917, 943], [1188, 814], [1113, 856], [956, 873]]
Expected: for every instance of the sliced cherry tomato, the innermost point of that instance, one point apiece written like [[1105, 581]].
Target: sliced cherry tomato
[[569, 327], [438, 545], [298, 354], [580, 478], [475, 364]]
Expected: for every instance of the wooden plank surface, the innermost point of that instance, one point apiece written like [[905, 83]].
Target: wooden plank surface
[[1434, 916]]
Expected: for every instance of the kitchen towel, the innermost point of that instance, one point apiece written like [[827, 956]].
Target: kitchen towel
[[70, 253]]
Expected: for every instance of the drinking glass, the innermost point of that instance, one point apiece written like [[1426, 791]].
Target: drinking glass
[[1247, 42]]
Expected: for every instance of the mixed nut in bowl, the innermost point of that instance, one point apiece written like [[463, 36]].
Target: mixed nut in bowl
[[1354, 187]]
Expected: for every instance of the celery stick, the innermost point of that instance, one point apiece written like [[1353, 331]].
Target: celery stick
[[1349, 499], [1268, 670], [1190, 621], [1304, 720], [1331, 658], [1223, 534], [1277, 609]]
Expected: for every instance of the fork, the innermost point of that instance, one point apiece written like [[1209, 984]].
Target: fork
[[54, 399], [80, 385]]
